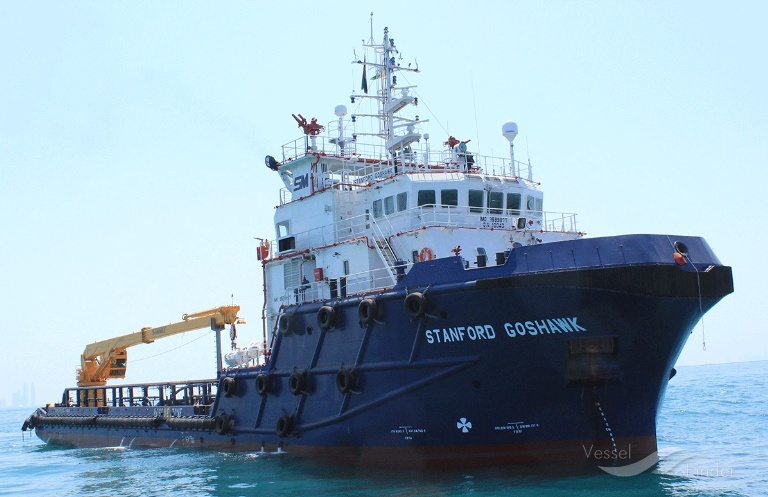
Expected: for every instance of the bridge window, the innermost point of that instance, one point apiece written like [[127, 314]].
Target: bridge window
[[539, 205], [426, 198], [402, 201], [449, 198], [389, 205], [377, 210], [495, 202], [476, 200], [513, 203]]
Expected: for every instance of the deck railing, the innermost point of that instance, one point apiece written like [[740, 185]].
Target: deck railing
[[359, 226], [201, 393]]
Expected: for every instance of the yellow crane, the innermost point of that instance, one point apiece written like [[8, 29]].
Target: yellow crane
[[109, 358]]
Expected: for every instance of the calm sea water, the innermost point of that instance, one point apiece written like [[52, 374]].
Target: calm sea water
[[713, 441]]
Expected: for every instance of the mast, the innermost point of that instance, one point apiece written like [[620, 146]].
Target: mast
[[390, 128], [388, 102]]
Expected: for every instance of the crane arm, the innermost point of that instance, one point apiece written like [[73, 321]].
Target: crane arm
[[108, 358]]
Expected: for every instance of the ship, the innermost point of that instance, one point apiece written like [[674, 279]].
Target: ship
[[421, 309]]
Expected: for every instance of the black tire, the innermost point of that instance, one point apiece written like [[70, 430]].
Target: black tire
[[415, 304], [346, 380], [229, 386], [367, 311], [284, 425], [297, 383], [263, 384], [222, 424], [286, 324], [326, 317]]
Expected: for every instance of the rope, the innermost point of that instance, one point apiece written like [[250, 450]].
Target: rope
[[171, 350], [701, 307], [422, 101]]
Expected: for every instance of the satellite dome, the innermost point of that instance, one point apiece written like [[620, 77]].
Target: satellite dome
[[509, 130]]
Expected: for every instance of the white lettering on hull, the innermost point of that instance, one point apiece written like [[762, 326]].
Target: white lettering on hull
[[550, 326]]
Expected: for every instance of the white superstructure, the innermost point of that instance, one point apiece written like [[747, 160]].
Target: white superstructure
[[359, 208]]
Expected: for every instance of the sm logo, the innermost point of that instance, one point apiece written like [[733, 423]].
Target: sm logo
[[301, 182]]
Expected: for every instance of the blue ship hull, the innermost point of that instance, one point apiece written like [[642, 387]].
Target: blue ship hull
[[561, 353]]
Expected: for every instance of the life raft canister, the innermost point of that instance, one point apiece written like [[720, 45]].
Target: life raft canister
[[426, 254]]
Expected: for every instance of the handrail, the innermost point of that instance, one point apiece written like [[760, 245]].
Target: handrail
[[197, 392], [425, 216]]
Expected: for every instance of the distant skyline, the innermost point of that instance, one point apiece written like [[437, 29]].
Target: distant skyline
[[24, 397], [133, 135]]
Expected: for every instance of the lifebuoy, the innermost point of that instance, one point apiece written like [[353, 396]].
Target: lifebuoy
[[284, 425], [426, 254], [367, 311], [326, 317], [345, 380], [222, 424], [263, 384], [415, 304], [297, 383], [286, 323], [229, 386]]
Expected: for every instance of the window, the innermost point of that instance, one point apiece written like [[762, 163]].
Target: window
[[291, 276], [377, 212], [513, 203], [495, 202], [426, 198], [539, 205], [389, 205], [476, 200], [346, 267], [287, 243], [449, 198], [402, 201], [282, 229]]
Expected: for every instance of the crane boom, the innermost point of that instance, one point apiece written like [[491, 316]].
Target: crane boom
[[109, 358]]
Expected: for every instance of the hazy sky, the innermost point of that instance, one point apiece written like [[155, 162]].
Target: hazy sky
[[132, 138]]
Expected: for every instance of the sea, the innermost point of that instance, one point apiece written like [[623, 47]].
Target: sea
[[712, 432]]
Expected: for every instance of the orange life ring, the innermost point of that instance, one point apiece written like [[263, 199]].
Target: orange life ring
[[426, 254]]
